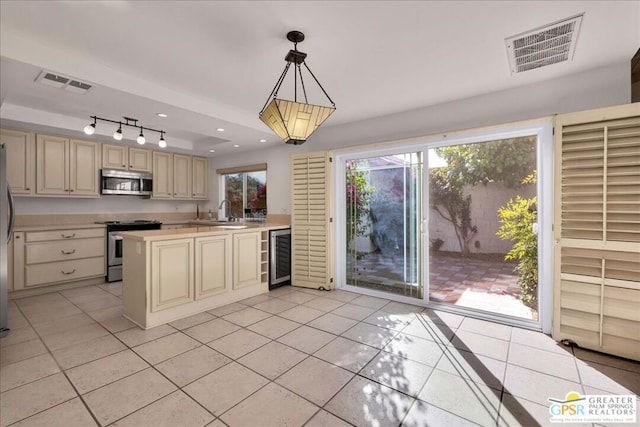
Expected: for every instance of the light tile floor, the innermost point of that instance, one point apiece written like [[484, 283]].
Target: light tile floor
[[293, 357]]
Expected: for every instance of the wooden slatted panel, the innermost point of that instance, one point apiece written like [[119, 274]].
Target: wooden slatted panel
[[623, 178], [597, 230], [310, 220]]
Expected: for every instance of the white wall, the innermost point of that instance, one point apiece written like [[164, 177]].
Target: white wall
[[596, 88]]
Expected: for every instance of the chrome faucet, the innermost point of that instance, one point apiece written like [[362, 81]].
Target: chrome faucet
[[228, 208]]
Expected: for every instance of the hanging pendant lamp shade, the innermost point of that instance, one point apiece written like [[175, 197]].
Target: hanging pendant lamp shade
[[294, 121]]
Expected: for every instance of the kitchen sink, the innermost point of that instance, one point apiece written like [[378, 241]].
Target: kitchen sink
[[230, 227]]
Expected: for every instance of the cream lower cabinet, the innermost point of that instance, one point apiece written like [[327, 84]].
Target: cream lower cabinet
[[213, 265], [20, 161], [186, 274], [171, 273], [246, 259], [57, 256]]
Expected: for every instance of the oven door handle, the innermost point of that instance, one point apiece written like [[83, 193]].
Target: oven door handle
[[113, 237]]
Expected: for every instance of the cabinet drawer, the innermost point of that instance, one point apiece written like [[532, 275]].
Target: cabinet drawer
[[42, 236], [63, 250], [54, 272]]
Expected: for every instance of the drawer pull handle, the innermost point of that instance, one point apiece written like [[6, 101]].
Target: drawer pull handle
[[68, 253], [68, 237], [71, 272]]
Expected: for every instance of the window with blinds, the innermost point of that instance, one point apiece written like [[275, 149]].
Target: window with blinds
[[310, 220], [597, 230]]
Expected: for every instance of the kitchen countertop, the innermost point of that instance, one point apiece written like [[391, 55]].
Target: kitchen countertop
[[200, 231]]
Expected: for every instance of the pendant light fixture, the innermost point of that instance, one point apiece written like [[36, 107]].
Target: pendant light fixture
[[128, 121], [294, 121]]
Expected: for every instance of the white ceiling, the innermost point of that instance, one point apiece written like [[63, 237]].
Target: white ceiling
[[212, 64]]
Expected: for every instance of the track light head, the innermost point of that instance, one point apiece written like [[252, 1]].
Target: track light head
[[162, 143], [140, 140], [91, 129], [117, 135]]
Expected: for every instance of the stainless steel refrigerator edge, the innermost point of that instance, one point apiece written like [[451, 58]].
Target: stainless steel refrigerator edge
[[6, 228]]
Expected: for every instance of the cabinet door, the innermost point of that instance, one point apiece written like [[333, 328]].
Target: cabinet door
[[114, 157], [181, 176], [139, 159], [20, 160], [18, 263], [84, 168], [246, 259], [52, 165], [200, 178], [162, 175], [171, 273], [213, 265]]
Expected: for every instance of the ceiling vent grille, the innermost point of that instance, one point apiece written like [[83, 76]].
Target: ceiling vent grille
[[543, 46], [62, 82]]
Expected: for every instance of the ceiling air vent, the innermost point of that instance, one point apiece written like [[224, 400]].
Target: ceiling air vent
[[62, 82], [543, 46]]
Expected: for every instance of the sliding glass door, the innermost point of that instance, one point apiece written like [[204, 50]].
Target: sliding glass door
[[383, 196], [483, 251], [446, 225]]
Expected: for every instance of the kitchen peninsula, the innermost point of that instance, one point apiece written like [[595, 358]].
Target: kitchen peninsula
[[170, 274]]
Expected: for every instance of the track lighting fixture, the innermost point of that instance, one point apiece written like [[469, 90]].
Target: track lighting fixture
[[90, 129]]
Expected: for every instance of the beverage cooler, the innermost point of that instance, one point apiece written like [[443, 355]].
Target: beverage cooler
[[279, 258]]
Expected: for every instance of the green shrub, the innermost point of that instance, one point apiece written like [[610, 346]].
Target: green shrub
[[518, 218]]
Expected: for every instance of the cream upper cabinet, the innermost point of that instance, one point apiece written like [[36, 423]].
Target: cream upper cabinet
[[20, 160], [115, 157], [171, 273], [67, 167], [181, 176], [52, 156], [84, 168], [126, 158], [139, 159], [246, 259], [200, 178], [162, 175]]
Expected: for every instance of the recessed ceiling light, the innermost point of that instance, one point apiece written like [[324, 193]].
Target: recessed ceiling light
[[220, 130], [212, 151], [236, 145], [263, 140], [161, 115]]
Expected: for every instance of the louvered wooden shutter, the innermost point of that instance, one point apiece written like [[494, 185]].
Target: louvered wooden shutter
[[310, 220], [597, 230]]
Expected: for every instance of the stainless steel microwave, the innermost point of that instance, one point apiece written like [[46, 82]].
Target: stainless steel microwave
[[126, 183]]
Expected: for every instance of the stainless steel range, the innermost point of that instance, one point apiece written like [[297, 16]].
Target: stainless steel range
[[114, 243]]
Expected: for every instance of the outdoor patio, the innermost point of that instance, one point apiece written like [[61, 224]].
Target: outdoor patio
[[470, 282]]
